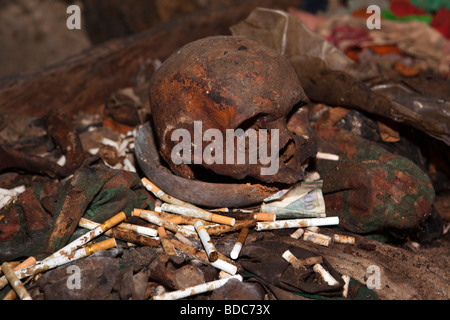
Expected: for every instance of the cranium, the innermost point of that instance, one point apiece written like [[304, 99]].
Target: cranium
[[223, 83]]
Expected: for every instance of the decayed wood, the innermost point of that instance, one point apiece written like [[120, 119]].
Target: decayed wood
[[85, 81]]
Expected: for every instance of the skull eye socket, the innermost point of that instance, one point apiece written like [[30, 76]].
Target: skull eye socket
[[252, 122], [294, 110]]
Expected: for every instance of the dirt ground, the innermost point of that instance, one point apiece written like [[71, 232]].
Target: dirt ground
[[31, 39]]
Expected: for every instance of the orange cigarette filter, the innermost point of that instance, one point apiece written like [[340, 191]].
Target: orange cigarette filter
[[113, 221], [103, 245], [265, 216]]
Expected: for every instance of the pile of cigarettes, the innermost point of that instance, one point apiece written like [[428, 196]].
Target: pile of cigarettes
[[186, 222]]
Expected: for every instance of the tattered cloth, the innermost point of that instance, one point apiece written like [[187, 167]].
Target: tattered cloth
[[44, 217], [369, 188]]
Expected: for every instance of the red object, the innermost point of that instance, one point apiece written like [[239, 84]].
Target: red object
[[403, 8], [441, 22]]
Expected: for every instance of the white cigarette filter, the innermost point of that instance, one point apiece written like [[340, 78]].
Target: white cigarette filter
[[201, 288], [326, 276], [297, 223], [206, 241], [198, 213]]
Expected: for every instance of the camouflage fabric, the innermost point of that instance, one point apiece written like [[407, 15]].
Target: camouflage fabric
[[44, 217], [369, 188]]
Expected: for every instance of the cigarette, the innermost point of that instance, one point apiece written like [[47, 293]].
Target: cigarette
[[327, 156], [196, 213], [88, 224], [346, 285], [214, 230], [313, 229], [224, 266], [165, 242], [150, 186], [15, 283], [88, 236], [326, 276], [201, 288], [201, 255], [317, 238], [206, 241], [265, 216], [59, 260], [239, 243], [298, 233], [297, 223], [152, 216], [220, 210], [11, 295], [183, 239], [339, 238], [301, 263], [289, 257]]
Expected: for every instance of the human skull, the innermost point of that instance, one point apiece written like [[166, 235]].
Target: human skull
[[222, 83]]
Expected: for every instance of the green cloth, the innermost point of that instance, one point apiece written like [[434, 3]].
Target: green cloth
[[389, 15], [43, 218]]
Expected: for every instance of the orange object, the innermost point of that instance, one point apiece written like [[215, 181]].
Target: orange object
[[406, 70], [385, 49]]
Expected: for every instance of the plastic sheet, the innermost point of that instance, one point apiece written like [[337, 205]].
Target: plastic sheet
[[329, 77]]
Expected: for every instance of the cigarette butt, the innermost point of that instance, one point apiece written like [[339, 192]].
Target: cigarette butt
[[11, 295], [298, 233], [152, 216], [346, 285], [326, 276], [138, 229], [215, 230], [327, 156], [296, 223], [113, 221], [239, 243], [201, 288], [317, 238], [150, 186], [265, 216], [165, 242], [225, 266], [289, 257], [206, 241], [26, 263], [15, 283], [103, 245], [183, 239], [313, 229], [222, 219], [339, 238], [221, 263], [220, 210], [88, 236], [198, 213]]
